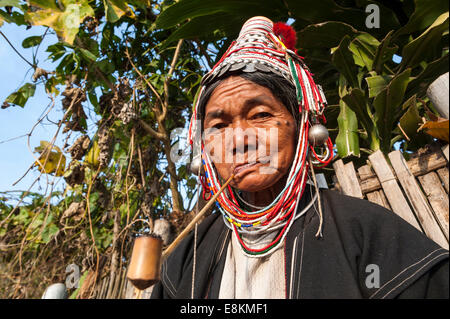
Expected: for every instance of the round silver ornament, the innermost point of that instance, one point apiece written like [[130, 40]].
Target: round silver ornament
[[196, 166], [318, 135]]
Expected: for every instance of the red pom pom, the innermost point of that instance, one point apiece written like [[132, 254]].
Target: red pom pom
[[286, 34]]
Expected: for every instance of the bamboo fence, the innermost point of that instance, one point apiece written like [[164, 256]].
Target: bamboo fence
[[416, 190]]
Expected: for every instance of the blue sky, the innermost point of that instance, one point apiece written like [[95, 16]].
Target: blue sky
[[15, 157]]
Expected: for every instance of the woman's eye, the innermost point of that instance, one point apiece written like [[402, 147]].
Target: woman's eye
[[218, 126], [261, 115]]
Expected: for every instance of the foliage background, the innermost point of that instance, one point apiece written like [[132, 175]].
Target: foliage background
[[124, 75]]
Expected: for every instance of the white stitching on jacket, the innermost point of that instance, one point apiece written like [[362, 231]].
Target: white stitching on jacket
[[165, 275], [393, 278], [301, 265], [293, 261], [412, 274]]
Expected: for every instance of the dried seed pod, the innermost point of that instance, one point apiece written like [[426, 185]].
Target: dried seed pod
[[38, 73], [73, 97], [74, 174], [127, 113], [147, 204], [104, 144], [75, 210], [79, 147]]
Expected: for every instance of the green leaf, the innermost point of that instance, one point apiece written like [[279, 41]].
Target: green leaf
[[87, 54], [430, 73], [106, 66], [326, 10], [80, 284], [358, 103], [50, 86], [115, 9], [190, 9], [56, 51], [363, 48], [386, 105], [10, 3], [347, 140], [377, 83], [31, 41], [383, 54], [420, 48], [15, 17], [424, 14], [93, 198], [324, 35], [343, 60], [22, 95], [93, 99], [49, 232], [410, 120], [50, 4], [196, 28]]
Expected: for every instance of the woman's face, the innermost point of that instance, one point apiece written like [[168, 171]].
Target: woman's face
[[250, 133]]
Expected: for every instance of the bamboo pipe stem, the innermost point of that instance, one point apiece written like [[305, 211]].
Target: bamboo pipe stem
[[195, 220], [138, 293]]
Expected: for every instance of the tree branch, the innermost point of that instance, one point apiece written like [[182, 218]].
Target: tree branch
[[161, 134], [32, 65], [151, 131], [165, 105], [143, 77], [205, 54]]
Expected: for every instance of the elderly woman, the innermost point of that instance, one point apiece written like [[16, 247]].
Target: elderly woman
[[277, 236]]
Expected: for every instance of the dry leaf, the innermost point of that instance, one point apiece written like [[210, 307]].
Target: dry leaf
[[438, 129], [51, 159]]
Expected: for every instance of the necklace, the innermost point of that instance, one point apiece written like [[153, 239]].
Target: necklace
[[247, 203]]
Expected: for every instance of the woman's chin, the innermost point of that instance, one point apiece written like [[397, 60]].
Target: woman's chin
[[255, 182]]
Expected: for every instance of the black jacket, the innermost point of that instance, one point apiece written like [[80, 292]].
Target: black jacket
[[358, 237]]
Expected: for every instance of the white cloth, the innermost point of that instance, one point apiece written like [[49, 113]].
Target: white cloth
[[253, 278]]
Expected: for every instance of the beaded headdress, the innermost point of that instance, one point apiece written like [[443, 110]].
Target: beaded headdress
[[267, 48]]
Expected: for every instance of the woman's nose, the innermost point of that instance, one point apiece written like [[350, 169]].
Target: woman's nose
[[244, 138]]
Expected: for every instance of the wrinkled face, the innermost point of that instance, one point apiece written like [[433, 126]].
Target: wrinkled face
[[248, 132]]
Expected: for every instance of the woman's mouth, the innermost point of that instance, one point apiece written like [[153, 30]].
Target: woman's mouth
[[243, 167]]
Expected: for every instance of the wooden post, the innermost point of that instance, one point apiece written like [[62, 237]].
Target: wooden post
[[365, 172], [347, 178], [417, 200], [438, 94], [443, 175], [379, 198], [391, 189], [438, 199], [445, 151]]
